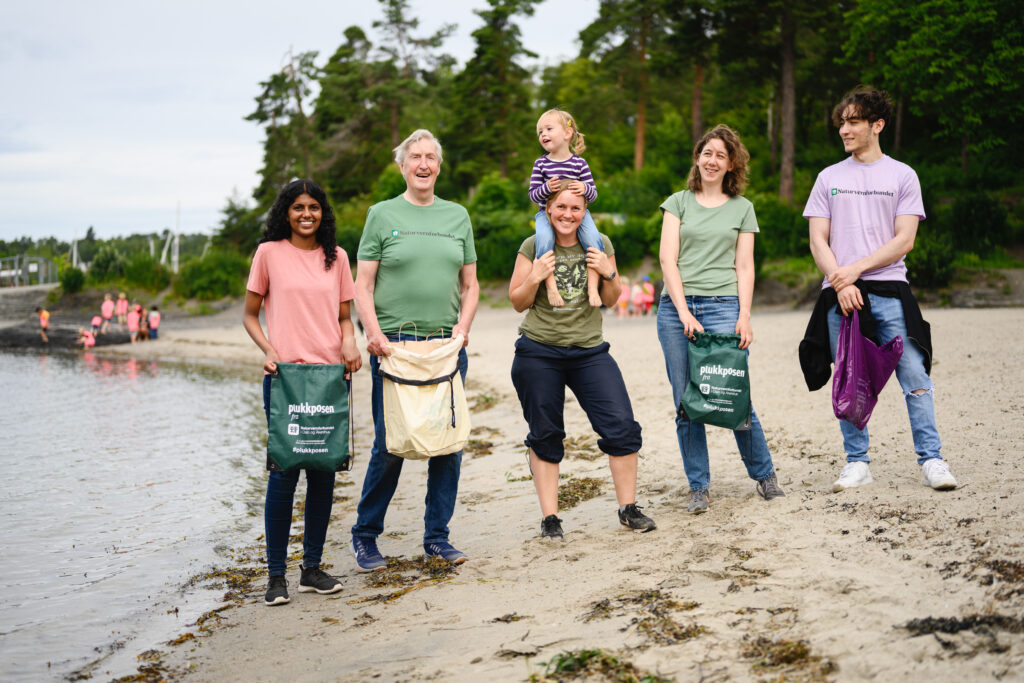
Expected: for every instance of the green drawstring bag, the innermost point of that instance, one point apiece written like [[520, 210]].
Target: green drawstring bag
[[309, 417], [718, 392]]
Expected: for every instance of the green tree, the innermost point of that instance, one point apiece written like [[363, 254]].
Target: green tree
[[240, 226], [961, 60], [490, 104]]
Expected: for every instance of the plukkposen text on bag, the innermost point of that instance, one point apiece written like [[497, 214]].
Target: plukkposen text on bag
[[309, 417], [862, 369], [425, 409], [718, 392]]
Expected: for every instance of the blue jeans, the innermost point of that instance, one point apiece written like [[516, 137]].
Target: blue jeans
[[277, 511], [545, 240], [716, 314], [383, 471], [888, 313]]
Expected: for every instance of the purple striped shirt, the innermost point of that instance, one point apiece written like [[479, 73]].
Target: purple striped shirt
[[575, 168]]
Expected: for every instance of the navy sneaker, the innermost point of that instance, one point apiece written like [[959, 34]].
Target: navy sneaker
[[316, 580], [368, 558], [445, 550], [277, 591]]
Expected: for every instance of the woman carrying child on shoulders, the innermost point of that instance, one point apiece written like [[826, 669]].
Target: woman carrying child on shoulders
[[707, 257], [564, 347], [563, 142]]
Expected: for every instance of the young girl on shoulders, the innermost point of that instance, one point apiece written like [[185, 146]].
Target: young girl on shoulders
[[563, 142]]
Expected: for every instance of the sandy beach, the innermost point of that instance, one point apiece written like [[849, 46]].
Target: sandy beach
[[814, 586]]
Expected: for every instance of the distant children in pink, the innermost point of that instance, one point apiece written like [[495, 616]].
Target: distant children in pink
[[154, 322], [107, 311], [44, 322], [86, 338], [122, 309], [133, 325], [96, 322]]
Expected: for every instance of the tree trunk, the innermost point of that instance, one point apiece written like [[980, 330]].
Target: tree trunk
[[773, 134], [964, 143], [898, 129], [788, 87], [396, 134], [641, 98], [697, 104]]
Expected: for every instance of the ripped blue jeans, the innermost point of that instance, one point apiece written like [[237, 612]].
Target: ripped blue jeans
[[888, 313]]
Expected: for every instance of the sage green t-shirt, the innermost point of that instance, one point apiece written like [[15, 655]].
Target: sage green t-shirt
[[707, 242], [420, 250], [575, 324]]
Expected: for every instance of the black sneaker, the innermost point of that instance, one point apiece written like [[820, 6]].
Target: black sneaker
[[699, 500], [631, 517], [277, 591], [551, 527], [316, 580], [768, 488]]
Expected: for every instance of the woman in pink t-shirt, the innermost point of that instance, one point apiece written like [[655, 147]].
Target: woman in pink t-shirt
[[133, 325], [304, 281]]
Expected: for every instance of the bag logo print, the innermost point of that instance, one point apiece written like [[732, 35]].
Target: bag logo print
[[293, 429]]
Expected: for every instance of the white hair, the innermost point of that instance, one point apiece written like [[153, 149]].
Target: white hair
[[416, 136]]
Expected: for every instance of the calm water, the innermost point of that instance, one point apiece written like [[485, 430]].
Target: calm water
[[122, 480]]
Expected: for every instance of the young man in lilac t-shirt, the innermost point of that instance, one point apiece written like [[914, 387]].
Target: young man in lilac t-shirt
[[863, 214]]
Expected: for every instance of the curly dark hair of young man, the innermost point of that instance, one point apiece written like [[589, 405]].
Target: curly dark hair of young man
[[868, 103], [278, 227]]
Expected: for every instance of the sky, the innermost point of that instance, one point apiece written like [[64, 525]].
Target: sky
[[115, 113]]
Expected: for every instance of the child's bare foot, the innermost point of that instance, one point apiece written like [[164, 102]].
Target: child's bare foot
[[555, 299], [595, 299]]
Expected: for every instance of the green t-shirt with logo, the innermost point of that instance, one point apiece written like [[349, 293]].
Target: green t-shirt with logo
[[420, 250], [575, 324], [707, 242]]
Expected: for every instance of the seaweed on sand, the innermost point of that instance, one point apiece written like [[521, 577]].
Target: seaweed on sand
[[592, 664]]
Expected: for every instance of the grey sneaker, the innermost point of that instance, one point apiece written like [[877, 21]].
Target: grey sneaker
[[316, 580], [551, 527], [632, 518], [699, 500], [768, 488]]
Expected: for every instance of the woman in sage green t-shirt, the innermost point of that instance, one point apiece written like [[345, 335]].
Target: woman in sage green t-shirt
[[707, 257], [563, 347]]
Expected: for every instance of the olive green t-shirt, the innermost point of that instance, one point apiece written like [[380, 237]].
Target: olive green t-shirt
[[575, 324], [707, 242], [420, 250]]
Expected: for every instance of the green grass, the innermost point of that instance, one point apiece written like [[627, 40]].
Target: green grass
[[997, 259], [795, 272]]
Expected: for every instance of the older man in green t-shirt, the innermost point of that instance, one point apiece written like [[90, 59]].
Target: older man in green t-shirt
[[417, 275]]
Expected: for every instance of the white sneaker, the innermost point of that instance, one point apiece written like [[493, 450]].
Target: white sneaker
[[853, 474], [937, 475]]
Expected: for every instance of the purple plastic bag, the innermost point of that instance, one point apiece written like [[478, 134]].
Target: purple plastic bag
[[862, 369]]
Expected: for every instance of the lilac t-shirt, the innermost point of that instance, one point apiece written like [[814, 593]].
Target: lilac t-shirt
[[862, 201]]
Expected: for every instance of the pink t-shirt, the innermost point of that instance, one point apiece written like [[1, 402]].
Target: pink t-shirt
[[96, 321], [133, 321], [88, 340], [862, 201], [122, 306], [154, 320], [107, 309], [301, 300]]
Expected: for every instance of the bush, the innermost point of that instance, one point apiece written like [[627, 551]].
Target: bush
[[634, 193], [216, 275], [784, 231], [498, 236], [108, 264], [72, 280], [978, 223], [145, 272], [930, 262], [495, 193], [389, 185], [633, 239]]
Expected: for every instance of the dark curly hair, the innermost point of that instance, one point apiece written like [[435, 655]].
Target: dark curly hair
[[868, 103], [735, 181], [278, 227]]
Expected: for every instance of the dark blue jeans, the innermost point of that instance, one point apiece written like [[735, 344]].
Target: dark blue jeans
[[277, 512], [540, 374], [383, 471]]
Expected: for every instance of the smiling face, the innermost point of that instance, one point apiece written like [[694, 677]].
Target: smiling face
[[565, 212], [420, 167], [553, 136], [859, 137], [304, 216], [713, 162]]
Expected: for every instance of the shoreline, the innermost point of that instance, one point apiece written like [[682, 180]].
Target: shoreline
[[745, 575]]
